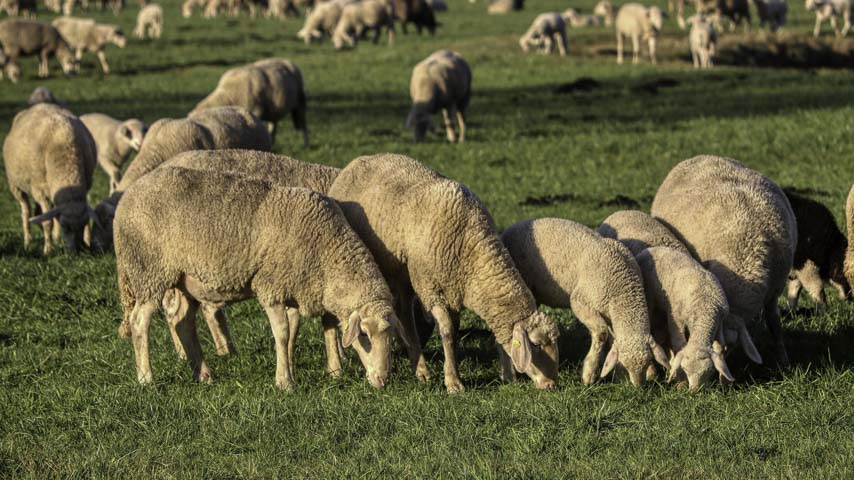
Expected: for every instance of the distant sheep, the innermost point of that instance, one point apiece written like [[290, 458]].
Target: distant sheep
[[546, 30], [322, 20], [498, 7], [115, 140], [702, 39], [25, 37], [605, 10], [14, 8], [638, 22], [149, 22], [44, 95], [574, 18], [84, 34], [830, 10], [416, 12], [357, 18], [442, 81], [735, 10], [772, 12]]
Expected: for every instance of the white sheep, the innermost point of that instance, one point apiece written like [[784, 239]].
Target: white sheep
[[772, 12], [50, 157], [115, 140], [322, 20], [546, 30], [149, 21], [576, 19], [567, 265], [638, 231], [238, 251], [189, 5], [829, 10], [702, 39], [442, 81], [84, 34], [431, 237], [740, 226], [358, 17], [638, 22], [270, 89], [605, 10], [25, 37]]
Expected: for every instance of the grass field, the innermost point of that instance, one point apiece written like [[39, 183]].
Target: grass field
[[69, 402]]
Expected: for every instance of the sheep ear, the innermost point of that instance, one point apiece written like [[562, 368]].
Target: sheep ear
[[610, 361], [46, 216], [721, 366], [748, 346], [675, 365], [520, 348], [659, 353], [352, 328]]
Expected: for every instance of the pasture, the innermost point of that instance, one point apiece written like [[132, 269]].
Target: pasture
[[70, 405]]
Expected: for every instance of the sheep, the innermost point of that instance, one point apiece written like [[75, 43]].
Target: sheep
[[416, 12], [25, 37], [567, 265], [772, 12], [322, 20], [433, 238], [574, 18], [287, 247], [735, 10], [212, 129], [605, 10], [277, 9], [13, 70], [358, 17], [638, 22], [13, 8], [703, 41], [505, 6], [546, 26], [740, 226], [686, 301], [442, 81], [189, 5], [638, 231], [269, 89], [829, 10], [50, 157], [84, 34], [115, 140], [44, 95], [819, 255], [149, 21]]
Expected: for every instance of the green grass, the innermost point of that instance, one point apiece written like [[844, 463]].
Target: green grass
[[69, 402]]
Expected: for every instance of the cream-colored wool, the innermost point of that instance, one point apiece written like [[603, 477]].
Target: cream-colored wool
[[442, 81], [830, 10], [849, 223], [638, 22], [25, 37], [568, 265], [83, 34], [360, 16], [222, 238], [702, 40], [739, 225], [639, 231], [605, 10], [433, 238], [322, 20], [49, 158], [115, 141], [270, 89], [149, 21], [576, 19], [546, 30]]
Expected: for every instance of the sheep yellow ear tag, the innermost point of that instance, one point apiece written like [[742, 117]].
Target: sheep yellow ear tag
[[346, 326], [517, 343]]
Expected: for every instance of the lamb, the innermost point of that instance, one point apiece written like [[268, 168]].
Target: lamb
[[829, 10], [703, 41], [639, 231], [688, 302], [546, 26], [772, 12], [442, 81], [13, 8], [212, 129], [322, 20], [358, 17], [240, 251], [576, 19], [416, 12], [567, 265], [25, 37], [44, 95], [115, 140], [269, 89], [431, 237], [84, 34], [638, 22], [820, 252], [50, 157], [605, 10], [149, 21], [740, 226]]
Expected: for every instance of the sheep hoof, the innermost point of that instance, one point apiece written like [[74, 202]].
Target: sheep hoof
[[144, 378], [454, 386], [423, 376], [285, 386], [205, 376]]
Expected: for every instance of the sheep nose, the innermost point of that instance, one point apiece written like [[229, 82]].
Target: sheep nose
[[377, 381], [546, 385]]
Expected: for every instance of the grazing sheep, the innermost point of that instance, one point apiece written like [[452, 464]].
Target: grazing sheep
[[44, 95], [442, 81], [115, 140], [605, 10], [277, 9], [574, 18], [829, 10], [13, 8], [416, 12], [772, 12], [567, 265], [84, 34], [735, 10], [322, 20], [820, 252], [703, 41], [431, 237], [505, 6], [174, 231], [269, 89], [638, 22], [25, 37], [739, 225], [212, 129], [358, 17], [149, 21], [639, 231], [546, 26], [687, 302], [50, 157]]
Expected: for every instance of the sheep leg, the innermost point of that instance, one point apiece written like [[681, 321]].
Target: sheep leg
[[447, 331], [24, 202], [271, 127], [833, 25], [104, 66], [846, 17], [619, 49], [560, 39], [46, 228], [218, 326], [772, 320], [793, 291], [652, 50], [293, 328], [599, 336], [391, 35], [140, 321], [695, 58], [449, 126], [508, 371], [279, 325], [56, 233], [185, 326], [635, 49], [547, 46], [810, 277], [462, 123], [817, 28], [331, 340], [43, 67], [410, 336]]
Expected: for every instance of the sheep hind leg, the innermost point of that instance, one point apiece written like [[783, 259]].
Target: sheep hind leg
[[185, 326], [331, 341], [140, 322], [810, 277], [449, 126], [279, 325], [104, 65], [793, 291], [635, 49], [462, 123], [447, 331], [24, 202], [175, 307], [218, 326], [619, 49], [46, 229], [599, 336]]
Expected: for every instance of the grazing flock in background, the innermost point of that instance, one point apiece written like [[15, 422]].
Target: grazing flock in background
[[388, 250]]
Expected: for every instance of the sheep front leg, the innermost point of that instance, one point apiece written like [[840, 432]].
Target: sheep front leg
[[392, 34], [793, 291], [599, 336], [279, 325], [44, 69], [772, 320], [218, 326], [447, 331], [103, 59], [331, 341], [695, 58], [24, 202], [462, 123], [449, 126], [560, 39], [140, 321], [619, 49], [409, 334], [652, 50], [185, 326], [635, 49]]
